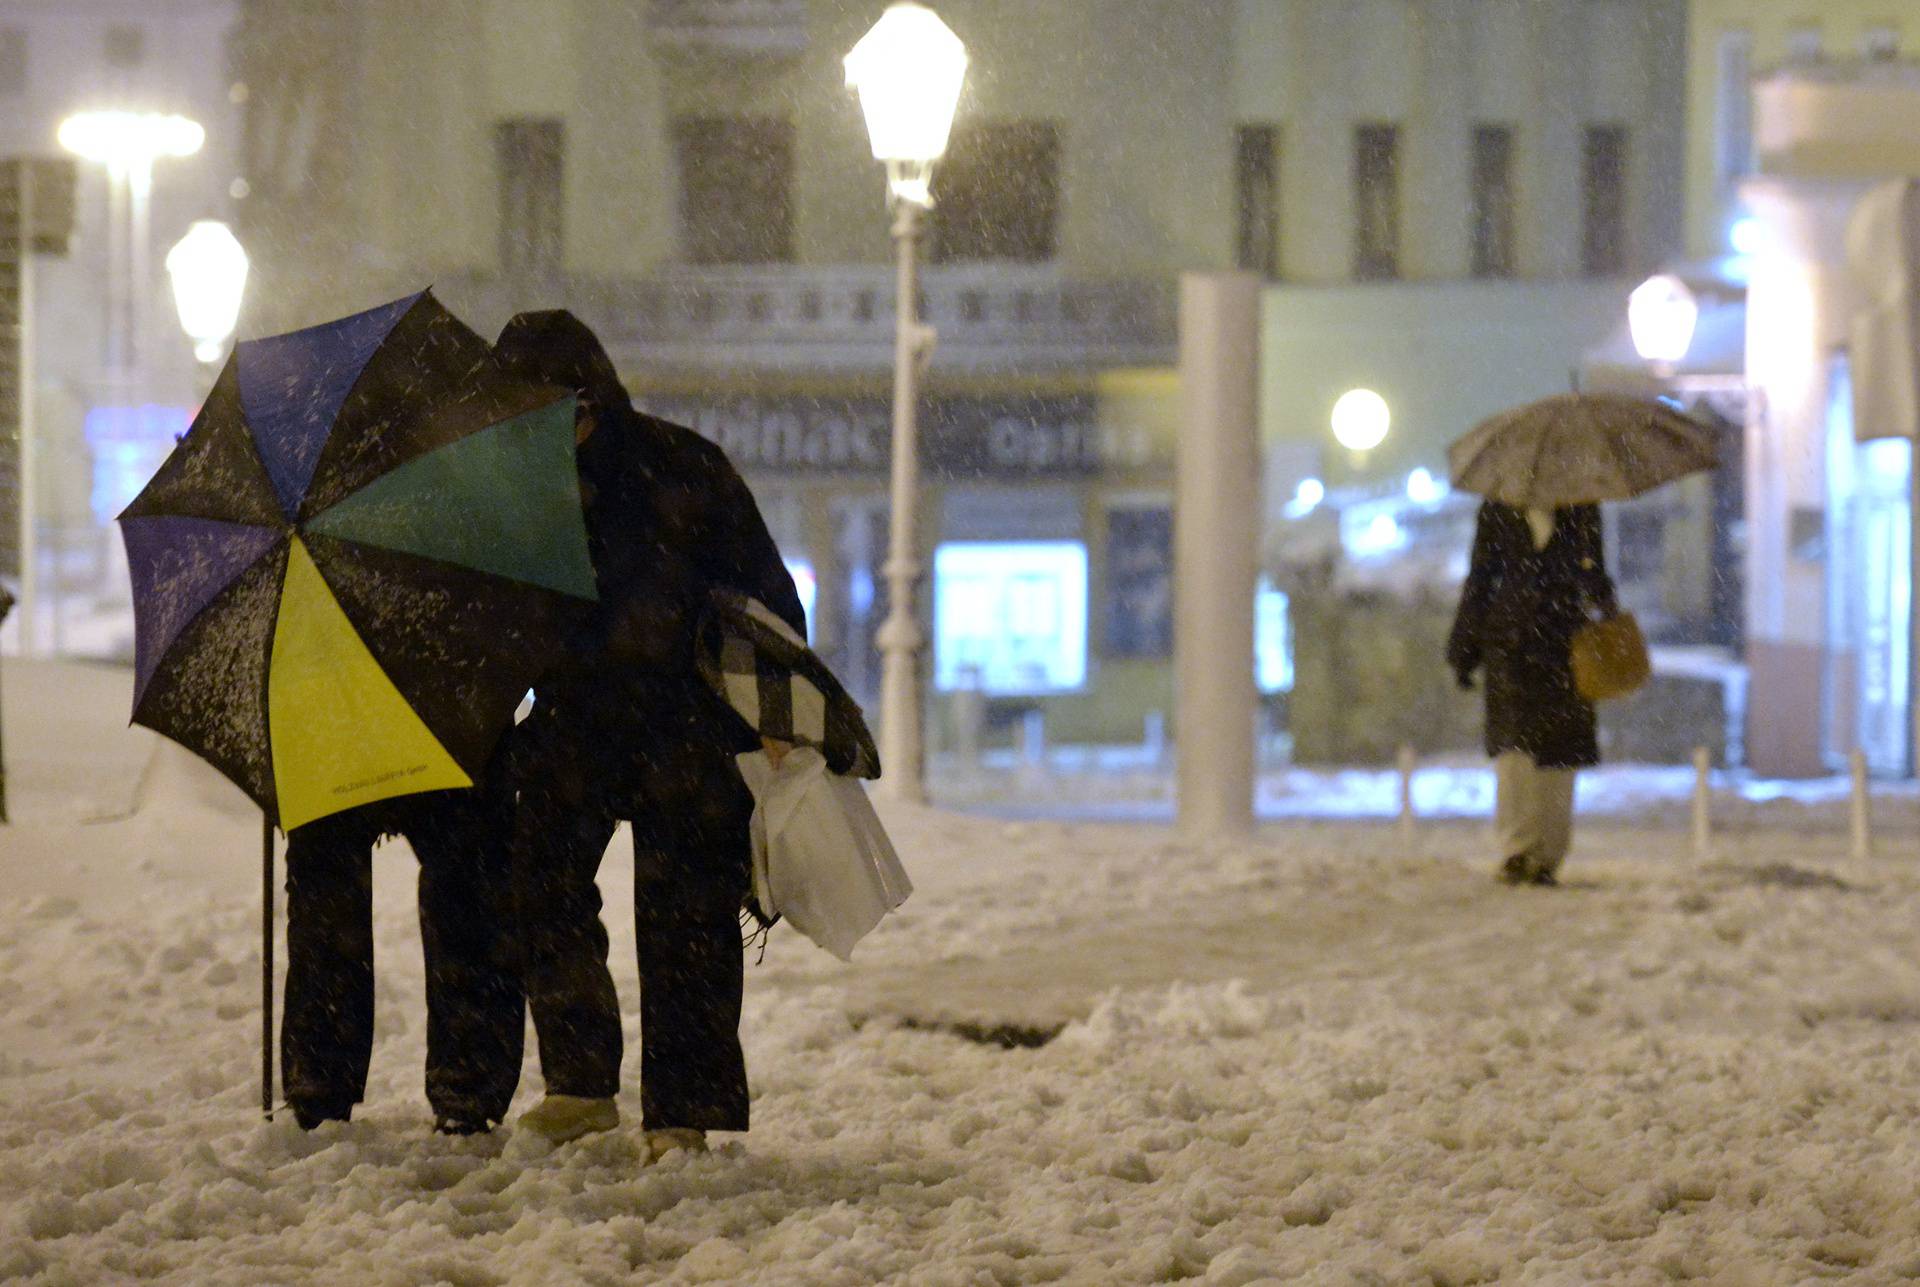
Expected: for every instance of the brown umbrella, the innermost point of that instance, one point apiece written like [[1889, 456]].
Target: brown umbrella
[[1578, 448]]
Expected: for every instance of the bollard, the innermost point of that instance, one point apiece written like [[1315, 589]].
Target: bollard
[[1408, 763], [1862, 827], [1033, 738], [1702, 802]]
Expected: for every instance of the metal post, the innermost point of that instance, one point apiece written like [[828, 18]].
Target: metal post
[[1408, 763], [1702, 801], [1216, 523], [1858, 816], [29, 519], [902, 752], [266, 966]]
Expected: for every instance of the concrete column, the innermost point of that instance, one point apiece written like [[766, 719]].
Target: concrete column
[[1216, 527]]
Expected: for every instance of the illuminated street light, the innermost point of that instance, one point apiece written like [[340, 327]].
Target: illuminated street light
[[1661, 315], [127, 144], [208, 269], [907, 70], [1361, 420]]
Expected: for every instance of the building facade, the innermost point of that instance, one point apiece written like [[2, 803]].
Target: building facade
[[1796, 112], [692, 177], [109, 396]]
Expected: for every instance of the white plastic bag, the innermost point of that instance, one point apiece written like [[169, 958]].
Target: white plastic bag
[[821, 859]]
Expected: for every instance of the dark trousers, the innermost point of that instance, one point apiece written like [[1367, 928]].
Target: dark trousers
[[689, 811], [475, 1012]]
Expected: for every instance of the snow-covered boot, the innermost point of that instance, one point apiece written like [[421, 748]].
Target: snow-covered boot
[[567, 1117], [675, 1138]]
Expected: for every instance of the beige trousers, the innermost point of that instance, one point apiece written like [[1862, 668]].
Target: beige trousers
[[1533, 810]]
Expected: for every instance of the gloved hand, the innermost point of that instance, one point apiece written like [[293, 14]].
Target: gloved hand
[[1464, 678]]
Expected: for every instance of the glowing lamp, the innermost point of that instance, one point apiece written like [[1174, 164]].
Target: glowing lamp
[[208, 269], [1361, 420], [1661, 315], [908, 69]]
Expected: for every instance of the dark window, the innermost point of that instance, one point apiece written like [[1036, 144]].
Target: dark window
[[1376, 199], [1603, 201], [1492, 196], [124, 46], [1139, 583], [736, 189], [13, 60], [1256, 191], [997, 192], [532, 160]]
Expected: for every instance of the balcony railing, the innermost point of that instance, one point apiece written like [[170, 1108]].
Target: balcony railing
[[839, 318], [731, 26]]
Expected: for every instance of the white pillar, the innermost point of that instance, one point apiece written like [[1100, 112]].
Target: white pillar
[[1215, 530]]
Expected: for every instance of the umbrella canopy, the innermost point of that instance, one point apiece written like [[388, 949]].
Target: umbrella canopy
[[1578, 448], [356, 561]]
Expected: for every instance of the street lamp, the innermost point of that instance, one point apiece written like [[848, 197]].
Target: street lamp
[[128, 143], [208, 269], [907, 70], [1360, 421], [1661, 315]]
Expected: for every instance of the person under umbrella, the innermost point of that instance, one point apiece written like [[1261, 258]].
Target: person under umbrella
[[623, 726], [1537, 577], [345, 577]]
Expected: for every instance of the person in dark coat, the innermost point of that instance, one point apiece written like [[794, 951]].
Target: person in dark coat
[[476, 1017], [1536, 577], [624, 728]]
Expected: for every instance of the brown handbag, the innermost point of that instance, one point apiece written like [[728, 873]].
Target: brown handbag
[[1610, 658]]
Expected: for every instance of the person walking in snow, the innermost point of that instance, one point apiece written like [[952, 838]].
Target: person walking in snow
[[623, 727], [1536, 577], [476, 1018]]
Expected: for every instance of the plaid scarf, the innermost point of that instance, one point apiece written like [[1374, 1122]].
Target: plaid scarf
[[778, 685]]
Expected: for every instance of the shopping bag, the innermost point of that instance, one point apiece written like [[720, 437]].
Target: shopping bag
[[821, 859], [1610, 658]]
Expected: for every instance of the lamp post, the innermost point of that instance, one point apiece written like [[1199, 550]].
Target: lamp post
[[1661, 315], [128, 143], [208, 269], [907, 70]]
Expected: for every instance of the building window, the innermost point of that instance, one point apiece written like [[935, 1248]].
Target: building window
[[1603, 201], [532, 161], [13, 61], [1492, 199], [1880, 44], [124, 46], [1010, 617], [1256, 191], [736, 189], [1804, 45], [997, 193], [1376, 198], [1139, 617], [1733, 110]]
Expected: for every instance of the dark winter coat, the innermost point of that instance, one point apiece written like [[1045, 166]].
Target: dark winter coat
[[1518, 613], [668, 520]]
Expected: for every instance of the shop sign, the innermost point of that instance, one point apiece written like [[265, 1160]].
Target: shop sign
[[1012, 437]]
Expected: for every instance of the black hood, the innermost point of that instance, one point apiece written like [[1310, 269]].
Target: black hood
[[552, 346]]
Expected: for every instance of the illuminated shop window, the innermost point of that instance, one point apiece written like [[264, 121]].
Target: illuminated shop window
[[1010, 617], [803, 581], [1272, 639]]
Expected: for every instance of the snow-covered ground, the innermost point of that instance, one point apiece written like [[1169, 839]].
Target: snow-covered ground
[[1326, 1055]]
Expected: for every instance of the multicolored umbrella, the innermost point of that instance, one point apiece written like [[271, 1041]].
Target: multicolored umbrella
[[355, 563]]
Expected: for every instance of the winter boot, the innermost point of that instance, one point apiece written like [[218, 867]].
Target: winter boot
[[311, 1112], [684, 1139], [567, 1117], [1516, 870]]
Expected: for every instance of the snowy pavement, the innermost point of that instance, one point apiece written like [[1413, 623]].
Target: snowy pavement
[[1324, 1055]]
